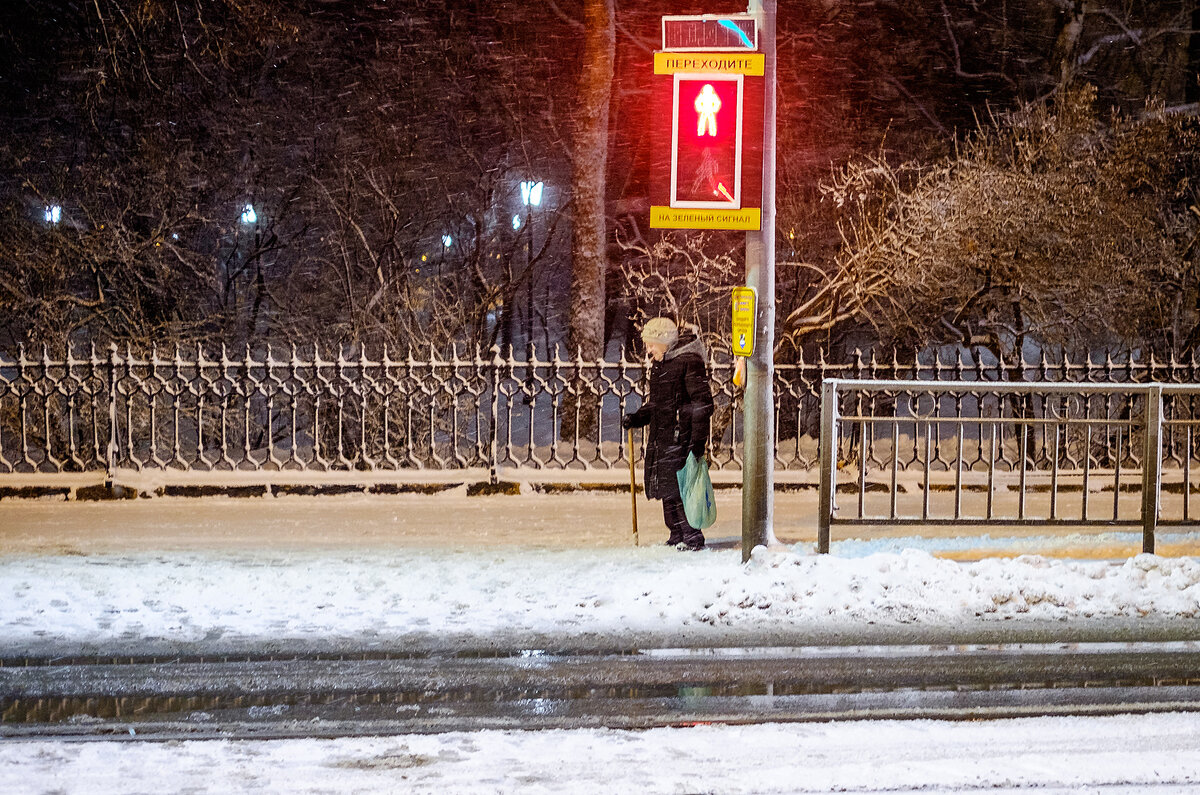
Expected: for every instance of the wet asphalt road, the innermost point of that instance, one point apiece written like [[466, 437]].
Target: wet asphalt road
[[317, 696]]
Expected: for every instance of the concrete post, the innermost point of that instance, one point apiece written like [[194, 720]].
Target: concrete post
[[827, 461], [758, 477], [1152, 466]]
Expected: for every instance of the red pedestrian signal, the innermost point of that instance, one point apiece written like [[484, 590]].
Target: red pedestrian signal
[[707, 164], [706, 153]]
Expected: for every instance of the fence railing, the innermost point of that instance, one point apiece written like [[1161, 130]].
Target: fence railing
[[994, 453], [280, 411]]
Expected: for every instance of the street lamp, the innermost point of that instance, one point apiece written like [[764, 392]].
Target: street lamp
[[531, 196], [53, 213], [245, 254], [447, 242]]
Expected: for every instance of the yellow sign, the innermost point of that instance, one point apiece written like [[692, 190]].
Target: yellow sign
[[686, 218], [745, 301], [710, 63]]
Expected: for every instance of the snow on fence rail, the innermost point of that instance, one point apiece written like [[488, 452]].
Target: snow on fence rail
[[1007, 454], [279, 413]]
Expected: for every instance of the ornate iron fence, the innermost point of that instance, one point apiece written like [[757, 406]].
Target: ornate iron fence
[[286, 411]]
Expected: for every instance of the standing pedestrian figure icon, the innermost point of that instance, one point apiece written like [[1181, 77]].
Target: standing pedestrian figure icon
[[707, 105]]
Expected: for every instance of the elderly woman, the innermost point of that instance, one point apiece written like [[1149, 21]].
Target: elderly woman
[[678, 411]]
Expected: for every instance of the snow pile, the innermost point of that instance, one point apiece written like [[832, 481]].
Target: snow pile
[[386, 596], [913, 586]]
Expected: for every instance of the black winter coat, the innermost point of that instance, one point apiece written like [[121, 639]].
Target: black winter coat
[[678, 411]]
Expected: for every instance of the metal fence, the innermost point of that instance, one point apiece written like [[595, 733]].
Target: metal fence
[[991, 453], [285, 412]]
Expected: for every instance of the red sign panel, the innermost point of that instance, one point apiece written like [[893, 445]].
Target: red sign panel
[[706, 151]]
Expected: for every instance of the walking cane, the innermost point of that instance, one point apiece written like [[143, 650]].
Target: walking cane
[[633, 487]]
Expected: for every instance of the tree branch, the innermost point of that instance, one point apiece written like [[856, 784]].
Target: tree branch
[[565, 17]]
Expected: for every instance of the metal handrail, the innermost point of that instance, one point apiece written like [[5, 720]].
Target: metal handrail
[[982, 440], [1007, 387]]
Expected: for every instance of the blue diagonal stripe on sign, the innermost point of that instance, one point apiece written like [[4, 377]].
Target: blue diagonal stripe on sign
[[729, 23]]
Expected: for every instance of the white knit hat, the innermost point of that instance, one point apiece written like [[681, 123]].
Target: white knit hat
[[660, 329]]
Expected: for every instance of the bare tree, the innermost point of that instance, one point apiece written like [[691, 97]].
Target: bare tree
[[685, 276], [241, 170], [1050, 227]]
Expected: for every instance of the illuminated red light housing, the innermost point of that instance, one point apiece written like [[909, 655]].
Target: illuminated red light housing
[[706, 156]]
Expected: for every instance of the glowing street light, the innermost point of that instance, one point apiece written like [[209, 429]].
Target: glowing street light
[[53, 213], [531, 193], [447, 241], [517, 221], [249, 216]]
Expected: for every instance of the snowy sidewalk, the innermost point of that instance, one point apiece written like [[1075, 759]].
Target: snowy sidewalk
[[307, 574], [453, 520]]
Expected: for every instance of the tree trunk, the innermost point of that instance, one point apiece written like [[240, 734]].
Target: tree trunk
[[585, 325], [1192, 92], [1066, 48], [585, 331]]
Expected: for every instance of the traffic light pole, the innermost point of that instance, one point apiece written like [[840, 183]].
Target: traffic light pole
[[758, 476]]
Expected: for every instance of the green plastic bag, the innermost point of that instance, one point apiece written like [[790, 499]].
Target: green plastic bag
[[696, 488]]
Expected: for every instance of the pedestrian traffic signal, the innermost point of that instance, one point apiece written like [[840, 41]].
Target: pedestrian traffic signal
[[706, 170], [706, 160]]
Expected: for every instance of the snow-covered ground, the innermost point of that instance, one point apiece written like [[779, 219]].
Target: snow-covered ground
[[178, 575], [1051, 756]]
